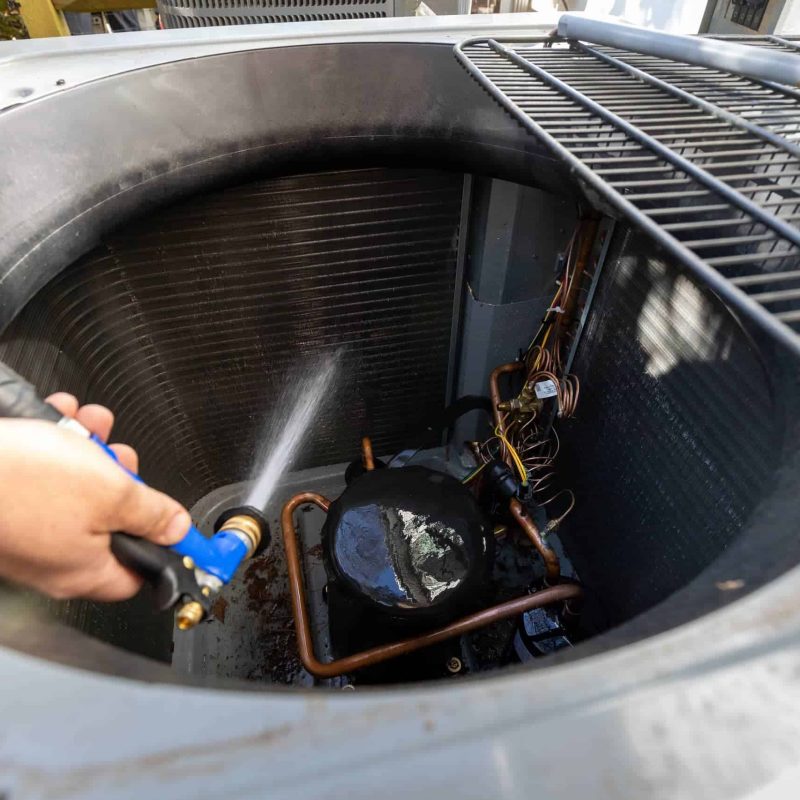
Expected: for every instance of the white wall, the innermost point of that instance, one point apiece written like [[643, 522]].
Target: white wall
[[676, 16], [789, 21]]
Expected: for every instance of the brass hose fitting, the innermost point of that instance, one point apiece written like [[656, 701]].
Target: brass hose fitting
[[188, 615], [248, 524], [248, 529]]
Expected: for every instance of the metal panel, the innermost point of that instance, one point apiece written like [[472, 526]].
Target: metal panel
[[32, 68], [517, 235]]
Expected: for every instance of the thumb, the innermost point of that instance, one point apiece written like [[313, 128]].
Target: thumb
[[145, 512]]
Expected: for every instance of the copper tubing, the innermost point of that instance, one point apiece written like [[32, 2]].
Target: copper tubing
[[305, 643], [570, 390], [375, 655], [525, 522], [494, 393], [366, 454], [531, 530], [586, 237]]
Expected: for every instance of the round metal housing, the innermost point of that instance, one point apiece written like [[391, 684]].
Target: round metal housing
[[410, 542]]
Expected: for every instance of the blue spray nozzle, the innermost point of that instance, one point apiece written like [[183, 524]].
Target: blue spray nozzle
[[219, 555]]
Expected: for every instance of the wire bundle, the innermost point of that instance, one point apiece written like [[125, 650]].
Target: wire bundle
[[526, 437]]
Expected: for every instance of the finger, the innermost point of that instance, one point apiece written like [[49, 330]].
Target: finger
[[143, 511], [97, 419], [64, 403], [126, 456]]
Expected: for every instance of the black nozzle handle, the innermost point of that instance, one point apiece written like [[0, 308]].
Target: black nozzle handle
[[162, 568], [18, 398]]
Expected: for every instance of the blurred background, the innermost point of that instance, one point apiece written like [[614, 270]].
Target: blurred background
[[21, 19]]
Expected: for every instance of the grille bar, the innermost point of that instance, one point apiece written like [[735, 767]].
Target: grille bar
[[704, 162], [695, 100], [785, 43]]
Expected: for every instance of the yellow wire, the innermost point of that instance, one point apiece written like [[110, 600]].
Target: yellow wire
[[474, 474], [523, 473]]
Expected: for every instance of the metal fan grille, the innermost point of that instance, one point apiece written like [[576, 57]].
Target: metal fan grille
[[704, 162], [207, 13]]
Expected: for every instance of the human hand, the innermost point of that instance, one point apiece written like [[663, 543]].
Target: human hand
[[61, 497]]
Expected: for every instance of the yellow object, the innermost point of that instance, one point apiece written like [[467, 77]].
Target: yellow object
[[523, 473], [189, 615], [474, 474], [42, 19]]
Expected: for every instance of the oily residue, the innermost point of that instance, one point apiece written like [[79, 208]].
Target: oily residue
[[280, 660], [219, 608], [268, 605], [265, 585], [257, 593]]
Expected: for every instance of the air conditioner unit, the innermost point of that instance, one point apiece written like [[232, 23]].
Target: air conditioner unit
[[563, 281]]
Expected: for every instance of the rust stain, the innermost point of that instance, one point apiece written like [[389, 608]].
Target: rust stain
[[281, 660], [315, 551], [257, 593], [220, 608], [253, 568], [266, 597]]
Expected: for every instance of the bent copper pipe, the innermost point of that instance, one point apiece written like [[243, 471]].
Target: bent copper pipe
[[531, 530], [366, 454], [375, 655], [548, 555], [494, 394]]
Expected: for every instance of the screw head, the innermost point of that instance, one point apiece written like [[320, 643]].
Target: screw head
[[188, 562], [454, 665]]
